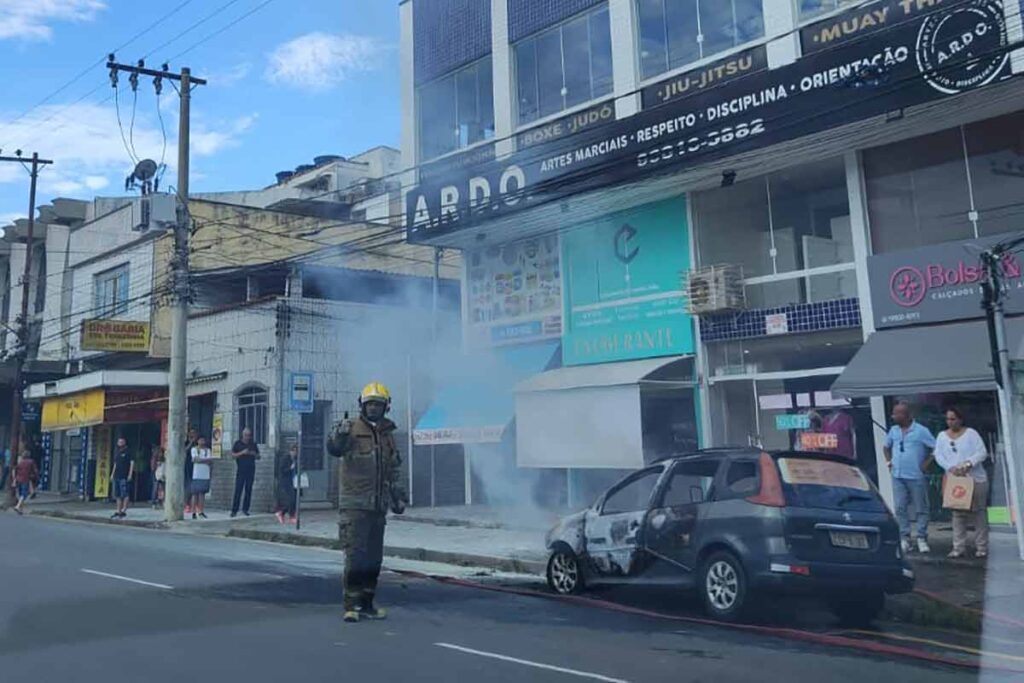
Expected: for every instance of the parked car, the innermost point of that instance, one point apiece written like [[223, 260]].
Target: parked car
[[736, 524]]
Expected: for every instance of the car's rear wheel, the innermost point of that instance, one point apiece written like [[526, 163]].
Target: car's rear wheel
[[723, 586], [859, 610], [565, 573]]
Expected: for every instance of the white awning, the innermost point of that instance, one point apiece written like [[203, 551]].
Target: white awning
[[589, 416], [102, 379]]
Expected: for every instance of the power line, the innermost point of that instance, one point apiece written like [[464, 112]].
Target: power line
[[221, 30], [191, 28]]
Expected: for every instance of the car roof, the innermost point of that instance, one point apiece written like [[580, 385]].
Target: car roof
[[726, 451]]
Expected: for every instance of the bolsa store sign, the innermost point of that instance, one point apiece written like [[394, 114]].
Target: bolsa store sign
[[938, 283], [863, 63]]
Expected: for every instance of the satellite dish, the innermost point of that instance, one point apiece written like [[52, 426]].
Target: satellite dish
[[145, 170]]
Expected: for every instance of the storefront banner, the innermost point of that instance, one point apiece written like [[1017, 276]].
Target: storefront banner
[[784, 423], [46, 441], [951, 49], [217, 438], [714, 74], [104, 448], [939, 283], [622, 286], [115, 336], [78, 410], [141, 405], [513, 293]]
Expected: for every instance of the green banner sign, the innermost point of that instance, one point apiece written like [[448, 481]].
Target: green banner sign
[[785, 423], [622, 286]]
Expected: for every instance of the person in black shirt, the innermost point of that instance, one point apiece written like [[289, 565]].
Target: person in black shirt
[[121, 472], [245, 454]]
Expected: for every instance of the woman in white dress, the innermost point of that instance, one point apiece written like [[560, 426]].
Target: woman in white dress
[[961, 451]]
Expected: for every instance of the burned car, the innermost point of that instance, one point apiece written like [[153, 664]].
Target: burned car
[[735, 524]]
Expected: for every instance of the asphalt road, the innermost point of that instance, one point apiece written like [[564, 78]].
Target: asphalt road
[[83, 603]]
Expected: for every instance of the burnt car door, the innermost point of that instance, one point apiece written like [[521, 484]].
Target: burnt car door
[[614, 526], [673, 528]]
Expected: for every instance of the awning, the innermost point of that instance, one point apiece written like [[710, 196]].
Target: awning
[[589, 416], [477, 404], [925, 360]]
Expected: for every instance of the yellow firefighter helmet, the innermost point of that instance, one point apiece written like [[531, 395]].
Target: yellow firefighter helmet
[[375, 391]]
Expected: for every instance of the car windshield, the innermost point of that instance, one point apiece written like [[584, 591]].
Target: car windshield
[[813, 483]]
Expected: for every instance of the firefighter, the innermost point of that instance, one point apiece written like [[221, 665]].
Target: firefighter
[[370, 487]]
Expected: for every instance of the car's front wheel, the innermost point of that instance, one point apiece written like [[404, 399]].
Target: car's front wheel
[[565, 574], [860, 610], [723, 586]]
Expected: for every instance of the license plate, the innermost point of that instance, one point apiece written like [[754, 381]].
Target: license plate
[[849, 539]]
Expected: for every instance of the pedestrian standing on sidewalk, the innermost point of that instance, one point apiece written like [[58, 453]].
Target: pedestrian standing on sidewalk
[[26, 477], [961, 451], [158, 465], [369, 488], [287, 486], [201, 459], [121, 472], [246, 453], [191, 441], [908, 450]]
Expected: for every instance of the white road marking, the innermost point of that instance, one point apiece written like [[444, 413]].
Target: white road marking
[[526, 662], [128, 579]]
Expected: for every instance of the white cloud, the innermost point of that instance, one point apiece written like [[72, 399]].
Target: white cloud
[[320, 61], [31, 19], [88, 153]]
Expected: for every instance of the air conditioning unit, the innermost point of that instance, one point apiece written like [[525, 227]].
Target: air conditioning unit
[[714, 289], [155, 212]]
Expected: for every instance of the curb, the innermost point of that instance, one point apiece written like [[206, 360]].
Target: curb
[[501, 564], [60, 514], [922, 610]]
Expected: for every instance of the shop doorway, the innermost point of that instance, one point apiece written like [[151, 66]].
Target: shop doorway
[[142, 439]]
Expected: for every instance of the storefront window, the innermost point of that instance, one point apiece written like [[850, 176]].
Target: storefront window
[[813, 8], [995, 152], [457, 110], [777, 228], [674, 33], [956, 184], [564, 66]]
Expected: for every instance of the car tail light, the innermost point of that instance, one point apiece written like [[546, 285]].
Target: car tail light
[[771, 486]]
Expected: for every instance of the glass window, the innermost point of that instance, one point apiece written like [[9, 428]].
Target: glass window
[[110, 292], [812, 8], [786, 222], [456, 110], [690, 483], [633, 496], [917, 192], [252, 406], [564, 66], [995, 151], [674, 33], [741, 479]]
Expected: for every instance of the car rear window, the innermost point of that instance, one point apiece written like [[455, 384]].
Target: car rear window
[[826, 484]]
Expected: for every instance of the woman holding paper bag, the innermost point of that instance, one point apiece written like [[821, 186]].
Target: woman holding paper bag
[[960, 451]]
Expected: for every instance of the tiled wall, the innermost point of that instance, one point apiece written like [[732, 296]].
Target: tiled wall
[[449, 34], [529, 16], [824, 315]]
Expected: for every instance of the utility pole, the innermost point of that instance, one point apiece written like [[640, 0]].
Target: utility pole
[[174, 502], [993, 292], [23, 323]]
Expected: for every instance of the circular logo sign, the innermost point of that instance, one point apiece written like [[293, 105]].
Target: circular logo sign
[[907, 286], [963, 48]]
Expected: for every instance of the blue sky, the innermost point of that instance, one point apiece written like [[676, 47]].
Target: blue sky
[[295, 79]]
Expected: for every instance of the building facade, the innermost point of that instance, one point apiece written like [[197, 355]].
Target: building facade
[[309, 275], [724, 215]]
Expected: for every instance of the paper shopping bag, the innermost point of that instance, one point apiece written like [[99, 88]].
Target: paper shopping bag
[[957, 492]]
